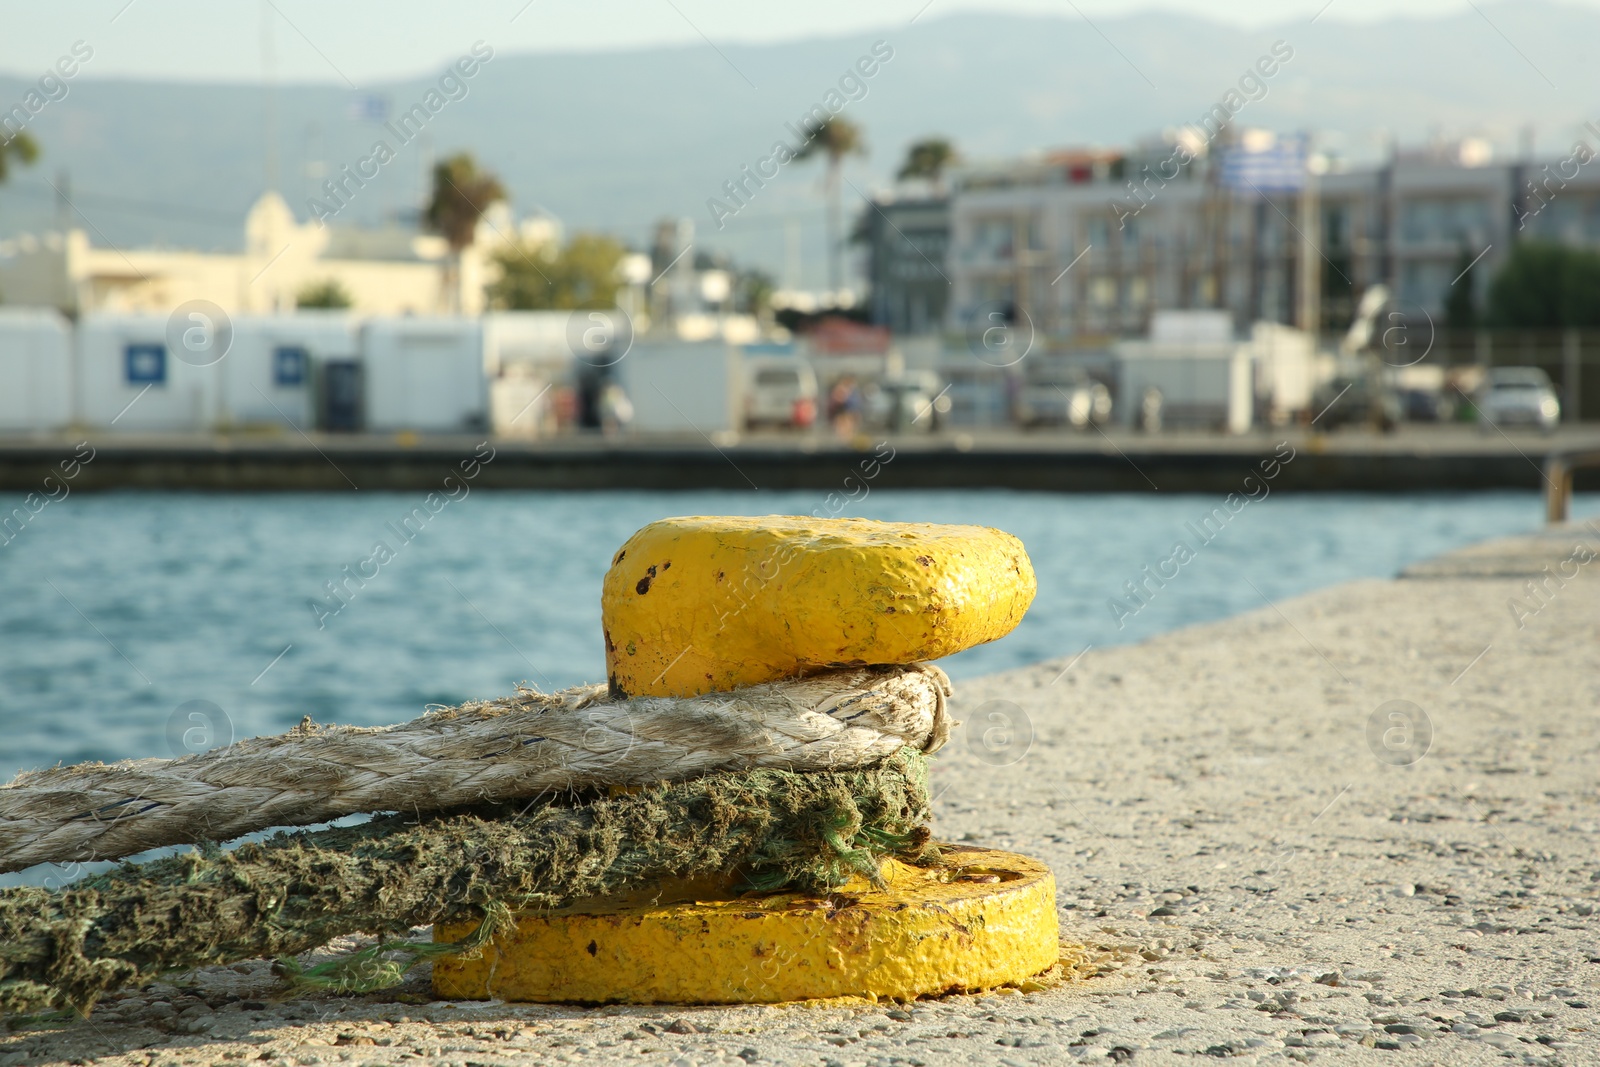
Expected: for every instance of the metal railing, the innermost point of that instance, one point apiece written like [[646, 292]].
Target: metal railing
[[1558, 468]]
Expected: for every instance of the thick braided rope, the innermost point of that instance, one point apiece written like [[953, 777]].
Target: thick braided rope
[[487, 752], [764, 829]]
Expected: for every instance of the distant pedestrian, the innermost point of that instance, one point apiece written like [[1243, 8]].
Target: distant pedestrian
[[616, 410], [1150, 404], [844, 406]]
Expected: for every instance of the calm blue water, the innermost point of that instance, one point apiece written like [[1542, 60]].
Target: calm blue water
[[117, 609]]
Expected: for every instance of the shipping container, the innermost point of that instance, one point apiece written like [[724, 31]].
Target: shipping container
[[35, 371], [537, 343], [130, 377], [275, 364], [1197, 385], [424, 374], [683, 386]]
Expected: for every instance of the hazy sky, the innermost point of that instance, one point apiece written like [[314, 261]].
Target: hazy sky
[[366, 40]]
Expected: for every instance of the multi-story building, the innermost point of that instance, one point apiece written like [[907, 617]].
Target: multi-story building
[[906, 242], [1090, 243]]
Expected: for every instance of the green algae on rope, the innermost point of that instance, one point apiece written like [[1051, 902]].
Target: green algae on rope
[[808, 831]]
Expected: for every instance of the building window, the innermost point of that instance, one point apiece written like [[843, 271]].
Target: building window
[[1558, 220], [992, 238], [1335, 227], [1424, 283], [145, 364], [1443, 219], [1591, 218], [288, 366]]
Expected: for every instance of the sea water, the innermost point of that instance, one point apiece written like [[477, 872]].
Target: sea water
[[152, 624]]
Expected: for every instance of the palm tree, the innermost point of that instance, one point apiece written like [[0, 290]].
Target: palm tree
[[928, 158], [461, 194], [836, 138], [22, 147]]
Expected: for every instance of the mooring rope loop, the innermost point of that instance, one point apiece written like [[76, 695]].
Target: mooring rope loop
[[489, 752], [760, 830]]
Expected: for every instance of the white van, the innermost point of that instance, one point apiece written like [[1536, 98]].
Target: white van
[[779, 391]]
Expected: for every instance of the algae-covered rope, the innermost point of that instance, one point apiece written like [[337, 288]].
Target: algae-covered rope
[[294, 892], [489, 752]]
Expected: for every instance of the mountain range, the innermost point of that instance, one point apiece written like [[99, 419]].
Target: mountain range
[[615, 140]]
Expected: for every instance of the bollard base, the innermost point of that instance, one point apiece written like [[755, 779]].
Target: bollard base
[[985, 919]]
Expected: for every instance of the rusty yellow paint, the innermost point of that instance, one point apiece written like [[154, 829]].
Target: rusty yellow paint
[[708, 604], [985, 919]]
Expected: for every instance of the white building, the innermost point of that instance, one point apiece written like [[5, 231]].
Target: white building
[[385, 272], [1092, 242]]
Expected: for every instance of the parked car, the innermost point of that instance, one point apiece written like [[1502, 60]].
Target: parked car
[[1425, 405], [916, 400], [1077, 401], [780, 391], [1518, 396], [1354, 401]]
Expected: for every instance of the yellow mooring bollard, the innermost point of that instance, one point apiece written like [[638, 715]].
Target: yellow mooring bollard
[[709, 604]]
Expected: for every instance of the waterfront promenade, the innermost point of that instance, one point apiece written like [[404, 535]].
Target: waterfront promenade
[[1414, 459]]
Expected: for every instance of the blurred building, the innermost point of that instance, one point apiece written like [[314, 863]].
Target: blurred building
[[688, 294], [384, 271], [1093, 242], [906, 240]]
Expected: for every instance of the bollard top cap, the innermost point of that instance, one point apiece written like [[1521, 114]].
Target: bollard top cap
[[706, 603]]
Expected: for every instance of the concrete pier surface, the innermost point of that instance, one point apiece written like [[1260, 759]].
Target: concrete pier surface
[[1415, 458], [1361, 825]]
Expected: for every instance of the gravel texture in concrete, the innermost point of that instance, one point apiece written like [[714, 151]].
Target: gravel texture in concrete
[[1357, 826]]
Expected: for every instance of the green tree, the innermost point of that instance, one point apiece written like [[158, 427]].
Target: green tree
[[461, 194], [583, 275], [752, 292], [20, 147], [929, 158], [835, 139], [1460, 304], [327, 293], [1546, 286]]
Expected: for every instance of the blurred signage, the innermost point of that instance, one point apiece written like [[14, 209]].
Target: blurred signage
[[370, 107], [1265, 163]]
